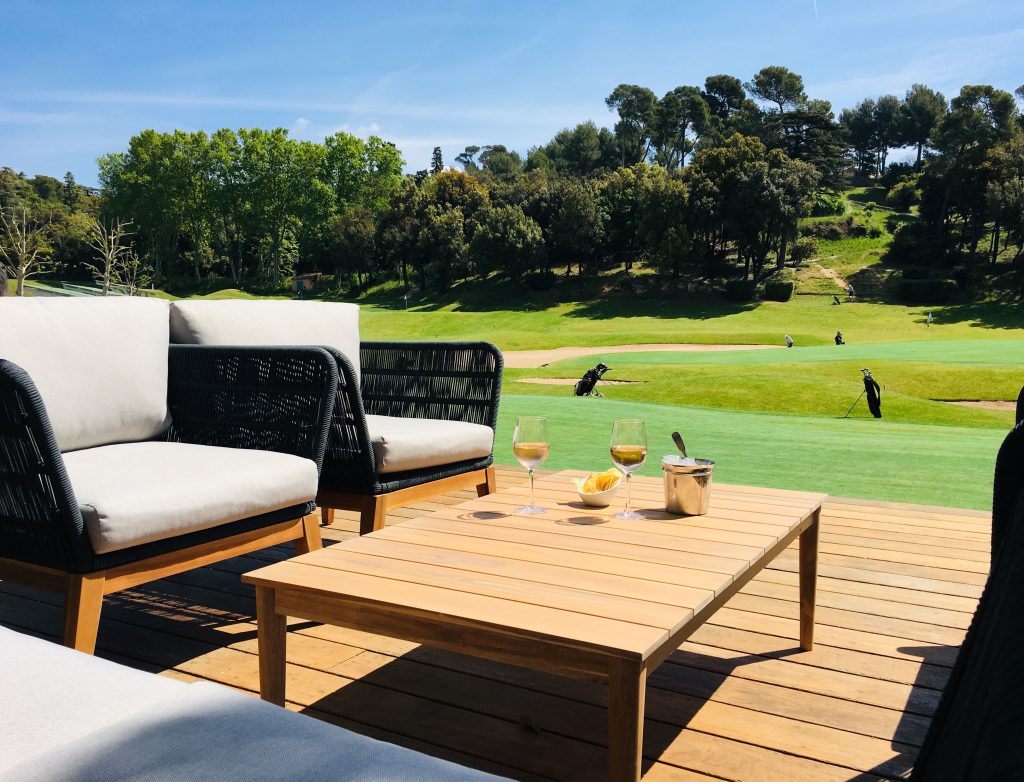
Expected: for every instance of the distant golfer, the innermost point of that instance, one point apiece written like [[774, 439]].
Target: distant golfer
[[851, 294], [789, 341], [928, 320], [839, 338], [835, 299]]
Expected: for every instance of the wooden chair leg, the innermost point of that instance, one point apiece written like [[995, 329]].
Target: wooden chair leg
[[310, 540], [489, 486], [83, 601], [326, 516], [373, 514]]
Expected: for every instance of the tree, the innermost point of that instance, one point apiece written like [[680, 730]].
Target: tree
[[954, 187], [507, 242], [778, 85], [921, 112], [581, 151], [577, 230], [661, 229], [497, 161], [887, 128], [436, 161], [23, 247], [724, 95], [352, 244], [465, 159], [442, 243], [109, 242], [398, 229], [636, 107], [69, 194], [858, 128], [680, 116]]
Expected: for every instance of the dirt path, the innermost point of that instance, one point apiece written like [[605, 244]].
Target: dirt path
[[531, 359]]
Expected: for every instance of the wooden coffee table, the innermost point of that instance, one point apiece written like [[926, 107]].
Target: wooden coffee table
[[571, 592]]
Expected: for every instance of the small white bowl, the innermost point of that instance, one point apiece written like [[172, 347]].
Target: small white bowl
[[597, 499]]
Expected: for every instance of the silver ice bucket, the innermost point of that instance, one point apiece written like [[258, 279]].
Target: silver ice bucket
[[687, 485]]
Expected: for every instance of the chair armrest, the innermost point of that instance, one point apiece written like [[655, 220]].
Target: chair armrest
[[40, 521], [262, 398], [453, 381], [349, 455]]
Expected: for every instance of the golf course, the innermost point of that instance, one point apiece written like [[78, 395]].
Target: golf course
[[766, 417]]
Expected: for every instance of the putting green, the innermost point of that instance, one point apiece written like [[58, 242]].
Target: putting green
[[934, 465]]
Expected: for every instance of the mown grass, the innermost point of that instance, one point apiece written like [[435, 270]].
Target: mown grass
[[513, 323], [881, 460]]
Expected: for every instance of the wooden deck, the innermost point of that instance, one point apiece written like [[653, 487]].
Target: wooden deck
[[897, 587]]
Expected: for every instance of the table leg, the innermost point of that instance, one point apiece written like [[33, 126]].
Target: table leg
[[271, 628], [627, 685], [808, 581]]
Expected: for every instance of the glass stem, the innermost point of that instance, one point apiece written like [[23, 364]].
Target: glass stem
[[532, 503], [629, 484]]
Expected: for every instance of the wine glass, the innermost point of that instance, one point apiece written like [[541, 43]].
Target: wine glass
[[629, 452], [530, 445]]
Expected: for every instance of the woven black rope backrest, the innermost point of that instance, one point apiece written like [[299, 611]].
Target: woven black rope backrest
[[455, 381], [40, 522], [264, 398], [349, 452], [977, 732]]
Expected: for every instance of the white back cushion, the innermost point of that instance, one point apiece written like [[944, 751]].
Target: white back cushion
[[99, 363], [268, 322]]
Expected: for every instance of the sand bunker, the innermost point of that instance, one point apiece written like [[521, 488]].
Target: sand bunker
[[531, 359], [983, 405]]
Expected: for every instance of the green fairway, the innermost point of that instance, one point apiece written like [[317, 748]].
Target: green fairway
[[515, 322], [937, 465], [945, 351]]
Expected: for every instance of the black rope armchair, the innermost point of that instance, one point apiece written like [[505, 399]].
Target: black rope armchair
[[978, 727], [411, 419], [257, 399], [439, 381]]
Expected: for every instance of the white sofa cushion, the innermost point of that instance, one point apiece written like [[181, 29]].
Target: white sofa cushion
[[331, 324], [135, 493], [100, 364], [71, 717], [401, 444]]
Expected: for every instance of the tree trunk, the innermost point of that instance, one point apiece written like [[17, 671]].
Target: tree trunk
[[780, 262], [920, 145], [20, 291]]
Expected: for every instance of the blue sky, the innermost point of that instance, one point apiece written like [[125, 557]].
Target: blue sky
[[80, 78]]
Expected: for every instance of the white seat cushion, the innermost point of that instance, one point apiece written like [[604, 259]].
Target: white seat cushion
[[136, 493], [401, 444], [331, 324], [100, 364], [71, 717]]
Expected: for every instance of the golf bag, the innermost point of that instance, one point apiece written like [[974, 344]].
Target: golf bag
[[874, 393], [585, 385]]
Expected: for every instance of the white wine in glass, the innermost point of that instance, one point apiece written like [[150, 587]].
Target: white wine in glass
[[530, 445], [629, 452]]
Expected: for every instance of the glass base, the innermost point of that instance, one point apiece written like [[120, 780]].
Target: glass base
[[629, 515], [529, 510]]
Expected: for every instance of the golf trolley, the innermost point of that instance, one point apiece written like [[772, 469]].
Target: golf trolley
[[586, 385], [874, 394]]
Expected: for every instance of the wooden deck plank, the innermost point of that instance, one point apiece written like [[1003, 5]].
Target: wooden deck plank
[[897, 586]]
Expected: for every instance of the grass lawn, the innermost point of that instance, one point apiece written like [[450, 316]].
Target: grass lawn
[[669, 317], [935, 465]]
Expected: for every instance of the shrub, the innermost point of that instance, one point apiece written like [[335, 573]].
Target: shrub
[[778, 290], [913, 244], [874, 231], [896, 172], [539, 281], [740, 290], [903, 195], [927, 291], [804, 248], [916, 273], [828, 203]]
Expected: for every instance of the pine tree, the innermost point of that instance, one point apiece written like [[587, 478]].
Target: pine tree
[[436, 162], [70, 194]]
